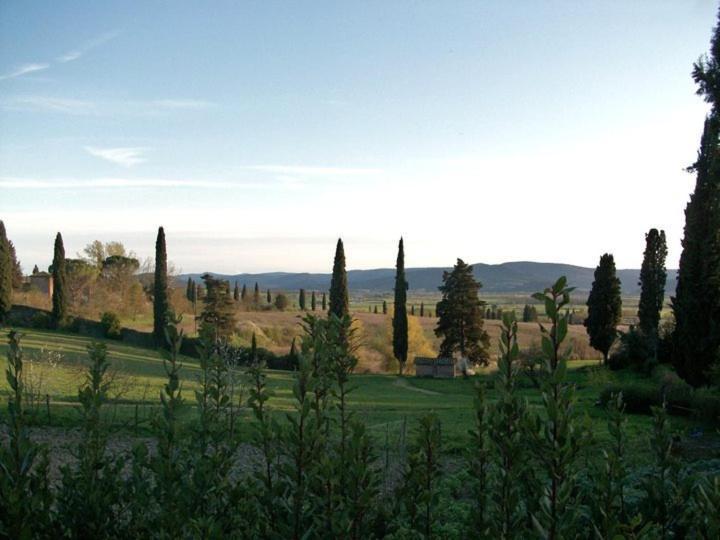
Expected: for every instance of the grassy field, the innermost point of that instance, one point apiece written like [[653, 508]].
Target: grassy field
[[390, 405]]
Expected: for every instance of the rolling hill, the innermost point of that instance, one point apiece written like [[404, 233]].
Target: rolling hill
[[510, 277]]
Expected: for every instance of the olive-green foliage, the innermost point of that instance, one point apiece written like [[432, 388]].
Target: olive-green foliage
[[161, 301], [59, 297], [652, 282], [339, 299], [400, 321], [604, 306], [110, 323]]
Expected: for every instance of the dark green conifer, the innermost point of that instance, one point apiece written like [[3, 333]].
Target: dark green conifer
[[339, 298], [652, 284], [188, 289], [243, 293], [412, 310], [313, 303], [268, 297], [604, 307], [301, 299], [384, 307], [324, 303], [5, 274], [161, 304], [422, 309], [460, 316], [375, 309], [256, 294], [253, 349], [400, 321], [16, 269], [59, 297], [236, 292]]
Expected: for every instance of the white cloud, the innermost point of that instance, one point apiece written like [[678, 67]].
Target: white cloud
[[51, 104], [314, 171], [100, 183], [23, 70], [88, 46], [127, 157], [192, 104]]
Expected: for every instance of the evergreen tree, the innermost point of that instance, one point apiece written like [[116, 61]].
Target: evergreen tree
[[375, 309], [236, 292], [161, 304], [59, 297], [218, 318], [412, 310], [324, 303], [384, 307], [253, 350], [652, 283], [696, 304], [16, 269], [268, 297], [339, 299], [5, 274], [460, 316], [36, 270], [243, 293], [400, 320], [313, 303], [256, 294], [188, 289], [422, 309], [604, 307], [301, 299]]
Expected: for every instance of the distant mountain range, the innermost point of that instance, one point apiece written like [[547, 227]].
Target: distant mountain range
[[510, 277]]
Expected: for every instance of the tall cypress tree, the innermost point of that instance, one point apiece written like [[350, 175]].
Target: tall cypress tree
[[604, 307], [243, 293], [696, 304], [460, 316], [59, 298], [236, 292], [324, 303], [256, 294], [384, 307], [400, 320], [161, 304], [301, 299], [422, 309], [5, 274], [652, 283], [188, 289], [313, 302], [339, 298], [268, 297]]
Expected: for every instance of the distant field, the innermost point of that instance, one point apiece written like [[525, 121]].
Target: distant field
[[388, 404]]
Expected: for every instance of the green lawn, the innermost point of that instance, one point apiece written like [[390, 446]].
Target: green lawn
[[389, 405]]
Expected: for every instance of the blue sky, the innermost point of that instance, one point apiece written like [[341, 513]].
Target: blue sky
[[259, 132]]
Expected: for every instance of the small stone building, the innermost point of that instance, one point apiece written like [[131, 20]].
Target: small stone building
[[437, 368], [43, 282]]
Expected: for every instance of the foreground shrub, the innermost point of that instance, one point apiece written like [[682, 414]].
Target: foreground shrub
[[110, 323]]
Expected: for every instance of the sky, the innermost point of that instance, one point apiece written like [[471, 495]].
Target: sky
[[257, 133]]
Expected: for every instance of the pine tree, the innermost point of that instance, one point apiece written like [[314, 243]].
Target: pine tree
[[652, 283], [243, 293], [59, 298], [339, 299], [5, 274], [460, 316], [604, 307], [236, 292], [384, 307], [301, 299], [161, 304], [324, 303], [218, 318], [313, 303]]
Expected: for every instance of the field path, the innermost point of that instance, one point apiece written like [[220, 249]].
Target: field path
[[402, 383]]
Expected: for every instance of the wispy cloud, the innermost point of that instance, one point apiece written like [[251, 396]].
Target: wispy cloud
[[87, 47], [66, 183], [24, 70], [127, 157], [52, 104], [301, 170], [192, 104]]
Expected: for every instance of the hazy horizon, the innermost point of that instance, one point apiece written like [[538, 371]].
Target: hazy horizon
[[258, 133]]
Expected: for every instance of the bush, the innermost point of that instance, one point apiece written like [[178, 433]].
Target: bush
[[706, 404], [111, 325], [40, 320], [634, 351], [638, 398]]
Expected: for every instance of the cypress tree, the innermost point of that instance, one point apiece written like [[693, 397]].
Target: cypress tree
[[236, 292], [161, 305], [384, 307], [324, 303], [696, 305], [369, 309], [604, 307], [375, 309], [652, 283], [412, 310], [268, 297], [59, 297], [460, 316], [422, 309], [301, 299], [256, 294], [243, 294], [400, 320], [188, 289], [313, 303], [15, 268], [339, 299], [5, 274], [253, 349], [36, 270]]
